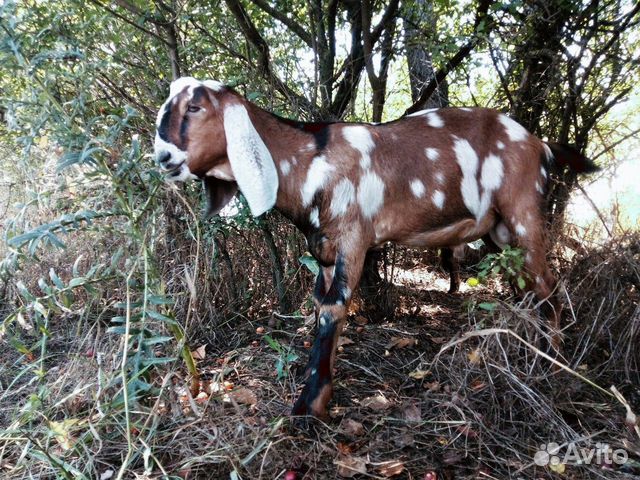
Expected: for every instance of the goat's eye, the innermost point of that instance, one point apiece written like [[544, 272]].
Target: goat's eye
[[193, 108]]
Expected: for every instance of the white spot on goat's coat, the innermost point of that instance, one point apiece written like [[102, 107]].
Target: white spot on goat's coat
[[467, 158], [438, 199], [539, 187], [440, 178], [314, 217], [285, 167], [543, 172], [492, 172], [515, 131], [548, 152], [432, 153], [370, 194], [343, 196], [417, 187], [490, 180], [499, 145], [521, 230], [360, 138], [434, 120], [317, 176]]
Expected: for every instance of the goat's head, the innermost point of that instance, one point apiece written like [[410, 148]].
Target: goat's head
[[204, 131]]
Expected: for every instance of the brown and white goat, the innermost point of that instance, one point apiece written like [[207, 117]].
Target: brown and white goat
[[436, 178]]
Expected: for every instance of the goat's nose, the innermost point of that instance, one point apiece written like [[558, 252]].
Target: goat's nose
[[163, 158]]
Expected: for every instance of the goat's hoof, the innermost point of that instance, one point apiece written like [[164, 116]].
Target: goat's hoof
[[308, 409]]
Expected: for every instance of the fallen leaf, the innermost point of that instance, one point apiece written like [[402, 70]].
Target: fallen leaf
[[478, 385], [400, 342], [200, 352], [349, 466], [419, 374], [451, 457], [431, 476], [244, 395], [432, 386], [107, 474], [467, 431], [404, 439], [377, 402], [475, 356], [351, 427], [202, 397], [344, 341], [391, 468], [411, 413], [343, 448], [557, 467], [438, 340], [360, 320]]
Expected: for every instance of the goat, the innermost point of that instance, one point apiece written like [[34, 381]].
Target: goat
[[435, 178]]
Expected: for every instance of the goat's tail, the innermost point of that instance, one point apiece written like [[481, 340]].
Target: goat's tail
[[567, 156]]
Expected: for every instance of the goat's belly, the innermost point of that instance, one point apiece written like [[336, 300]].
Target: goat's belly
[[462, 231]]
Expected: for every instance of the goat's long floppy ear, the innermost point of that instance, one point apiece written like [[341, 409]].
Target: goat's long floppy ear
[[219, 193], [251, 161]]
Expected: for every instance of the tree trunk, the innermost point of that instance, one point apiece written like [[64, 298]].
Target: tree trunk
[[418, 17]]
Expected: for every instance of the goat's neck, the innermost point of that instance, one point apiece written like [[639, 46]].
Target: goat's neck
[[292, 150]]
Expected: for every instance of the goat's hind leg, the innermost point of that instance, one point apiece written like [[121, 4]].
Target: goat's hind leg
[[332, 295], [451, 265]]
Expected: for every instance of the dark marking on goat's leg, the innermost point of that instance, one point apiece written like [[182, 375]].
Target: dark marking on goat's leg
[[331, 294], [319, 372], [452, 267]]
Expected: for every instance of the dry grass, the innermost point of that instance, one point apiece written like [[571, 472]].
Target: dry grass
[[442, 386]]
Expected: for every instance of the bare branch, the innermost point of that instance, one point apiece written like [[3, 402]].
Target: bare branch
[[294, 26], [465, 50], [254, 37], [130, 22]]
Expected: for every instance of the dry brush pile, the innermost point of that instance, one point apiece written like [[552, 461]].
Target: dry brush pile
[[449, 386]]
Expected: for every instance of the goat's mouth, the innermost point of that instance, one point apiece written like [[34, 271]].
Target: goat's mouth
[[170, 169], [178, 173]]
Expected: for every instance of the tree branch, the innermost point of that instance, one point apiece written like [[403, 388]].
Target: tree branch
[[253, 36], [355, 62], [130, 22], [456, 60], [294, 26]]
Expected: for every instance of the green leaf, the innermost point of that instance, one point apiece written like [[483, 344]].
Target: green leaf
[[161, 317], [76, 282], [157, 361], [273, 344], [311, 263], [55, 279], [521, 283], [488, 306], [160, 300]]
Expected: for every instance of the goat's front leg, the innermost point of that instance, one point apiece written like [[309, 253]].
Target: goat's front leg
[[332, 294]]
